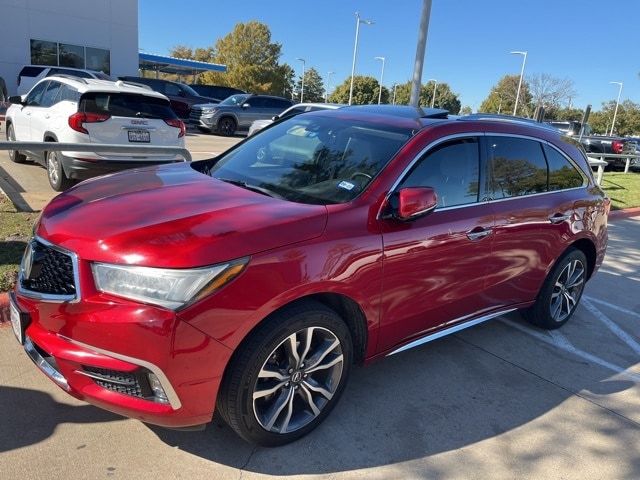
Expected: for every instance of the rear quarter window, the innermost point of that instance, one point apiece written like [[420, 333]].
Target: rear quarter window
[[562, 174], [126, 105]]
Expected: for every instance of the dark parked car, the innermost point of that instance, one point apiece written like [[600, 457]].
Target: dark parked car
[[236, 113], [216, 92], [250, 283], [181, 96]]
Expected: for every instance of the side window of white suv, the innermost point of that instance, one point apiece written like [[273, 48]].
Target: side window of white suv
[[49, 96], [35, 95]]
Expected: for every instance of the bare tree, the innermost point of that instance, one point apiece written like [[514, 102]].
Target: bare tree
[[550, 92]]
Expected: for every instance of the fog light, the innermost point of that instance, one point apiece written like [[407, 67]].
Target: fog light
[[156, 386]]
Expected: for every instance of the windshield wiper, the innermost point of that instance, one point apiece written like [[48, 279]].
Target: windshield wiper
[[253, 188]]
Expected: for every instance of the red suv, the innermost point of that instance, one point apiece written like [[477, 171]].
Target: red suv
[[251, 282]]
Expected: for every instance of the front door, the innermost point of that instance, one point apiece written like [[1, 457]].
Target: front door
[[435, 266]]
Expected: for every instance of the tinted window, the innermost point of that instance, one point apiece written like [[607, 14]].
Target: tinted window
[[71, 55], [73, 73], [50, 94], [236, 99], [281, 103], [562, 174], [318, 160], [98, 59], [452, 170], [126, 105], [31, 71], [517, 167], [35, 95], [67, 93], [171, 89], [44, 53], [293, 111]]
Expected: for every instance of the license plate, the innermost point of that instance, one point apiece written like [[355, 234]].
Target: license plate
[[139, 136], [16, 322]]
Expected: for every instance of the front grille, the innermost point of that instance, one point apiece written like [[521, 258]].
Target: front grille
[[194, 116], [47, 270], [134, 384]]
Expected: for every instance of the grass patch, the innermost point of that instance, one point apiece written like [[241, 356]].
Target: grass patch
[[622, 188], [15, 230]]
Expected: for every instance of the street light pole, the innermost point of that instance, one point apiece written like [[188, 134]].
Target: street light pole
[[435, 86], [615, 112], [381, 76], [423, 30], [524, 61], [355, 52], [302, 85], [326, 93]]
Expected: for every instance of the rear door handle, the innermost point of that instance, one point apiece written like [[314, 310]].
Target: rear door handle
[[478, 233], [47, 116], [559, 218]]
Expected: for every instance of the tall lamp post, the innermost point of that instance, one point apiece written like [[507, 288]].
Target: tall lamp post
[[615, 112], [302, 85], [435, 86], [328, 87], [382, 59], [355, 52], [524, 61]]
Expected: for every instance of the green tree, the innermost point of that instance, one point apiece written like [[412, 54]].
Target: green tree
[[466, 110], [445, 98], [181, 51], [502, 97], [313, 86], [365, 91], [627, 119], [565, 114]]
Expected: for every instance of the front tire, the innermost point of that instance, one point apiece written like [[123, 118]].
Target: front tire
[[227, 126], [561, 292], [289, 374], [14, 155], [55, 173]]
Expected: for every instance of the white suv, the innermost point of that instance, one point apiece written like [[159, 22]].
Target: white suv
[[78, 110], [32, 74]]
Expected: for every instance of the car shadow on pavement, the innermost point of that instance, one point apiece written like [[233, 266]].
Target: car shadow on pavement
[[20, 427], [438, 398]]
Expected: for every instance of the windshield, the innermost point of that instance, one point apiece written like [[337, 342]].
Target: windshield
[[312, 159], [235, 100], [189, 90]]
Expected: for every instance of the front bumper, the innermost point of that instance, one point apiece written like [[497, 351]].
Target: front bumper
[[69, 342]]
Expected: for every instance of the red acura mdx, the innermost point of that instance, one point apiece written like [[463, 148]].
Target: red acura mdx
[[251, 282]]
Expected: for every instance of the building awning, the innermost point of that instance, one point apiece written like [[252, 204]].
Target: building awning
[[180, 66]]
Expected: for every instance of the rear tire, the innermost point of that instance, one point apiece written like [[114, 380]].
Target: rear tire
[[301, 356], [55, 173], [560, 292], [14, 155], [227, 126]]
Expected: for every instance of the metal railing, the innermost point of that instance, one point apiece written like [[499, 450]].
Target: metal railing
[[137, 150], [627, 156]]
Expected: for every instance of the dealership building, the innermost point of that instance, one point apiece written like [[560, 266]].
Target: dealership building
[[94, 34]]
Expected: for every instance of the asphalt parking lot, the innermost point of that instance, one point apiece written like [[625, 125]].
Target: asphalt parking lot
[[28, 187], [500, 400]]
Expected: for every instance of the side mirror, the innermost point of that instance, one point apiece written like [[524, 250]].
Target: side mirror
[[413, 202], [275, 117], [245, 105], [17, 99]]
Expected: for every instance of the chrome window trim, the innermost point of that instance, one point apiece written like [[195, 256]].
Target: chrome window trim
[[418, 156], [172, 396], [460, 324], [49, 297]]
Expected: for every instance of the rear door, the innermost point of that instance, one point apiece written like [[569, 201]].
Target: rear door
[[435, 266], [129, 118], [531, 216]]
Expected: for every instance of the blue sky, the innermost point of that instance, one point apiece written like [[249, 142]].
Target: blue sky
[[591, 42]]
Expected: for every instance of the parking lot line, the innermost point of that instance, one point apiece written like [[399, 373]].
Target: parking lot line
[[557, 339], [611, 325], [612, 306]]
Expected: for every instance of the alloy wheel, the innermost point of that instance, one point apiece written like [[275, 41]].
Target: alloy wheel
[[567, 290], [53, 167], [298, 379], [12, 138]]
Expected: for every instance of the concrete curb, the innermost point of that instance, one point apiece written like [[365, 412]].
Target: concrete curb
[[624, 213]]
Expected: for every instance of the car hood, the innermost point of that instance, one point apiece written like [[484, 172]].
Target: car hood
[[173, 216]]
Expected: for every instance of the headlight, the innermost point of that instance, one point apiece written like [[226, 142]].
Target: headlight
[[209, 110], [169, 288]]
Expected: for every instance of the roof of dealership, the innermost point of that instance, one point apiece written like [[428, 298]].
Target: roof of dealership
[[163, 64]]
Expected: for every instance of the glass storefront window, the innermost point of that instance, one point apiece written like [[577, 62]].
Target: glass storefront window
[[71, 55], [44, 53], [98, 59]]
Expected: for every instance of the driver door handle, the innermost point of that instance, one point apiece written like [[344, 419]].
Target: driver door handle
[[478, 233], [559, 218]]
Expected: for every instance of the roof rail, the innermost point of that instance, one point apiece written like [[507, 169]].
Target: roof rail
[[133, 84], [494, 117], [69, 77]]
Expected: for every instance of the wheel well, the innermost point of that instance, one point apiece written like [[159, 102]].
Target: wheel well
[[231, 117], [48, 137], [589, 249]]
